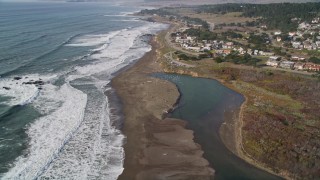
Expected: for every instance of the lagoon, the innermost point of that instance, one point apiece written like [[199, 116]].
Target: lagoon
[[204, 104]]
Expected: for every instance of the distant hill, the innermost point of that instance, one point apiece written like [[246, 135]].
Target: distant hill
[[224, 1]]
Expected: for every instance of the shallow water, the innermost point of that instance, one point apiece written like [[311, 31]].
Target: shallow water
[[203, 104]]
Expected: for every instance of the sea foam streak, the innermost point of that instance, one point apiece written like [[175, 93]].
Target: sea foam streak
[[48, 134], [75, 139]]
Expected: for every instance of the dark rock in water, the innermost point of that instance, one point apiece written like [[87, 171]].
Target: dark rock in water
[[39, 88], [6, 88], [17, 78], [39, 82], [34, 82]]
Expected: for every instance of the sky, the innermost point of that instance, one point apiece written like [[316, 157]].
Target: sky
[[18, 0]]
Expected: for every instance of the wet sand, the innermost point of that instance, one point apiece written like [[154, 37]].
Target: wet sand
[[156, 147]]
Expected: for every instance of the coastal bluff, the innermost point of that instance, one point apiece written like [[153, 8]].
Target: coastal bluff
[[155, 147]]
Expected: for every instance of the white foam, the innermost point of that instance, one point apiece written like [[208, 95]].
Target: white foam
[[114, 15], [119, 50], [48, 134], [65, 143], [19, 92], [92, 40], [95, 152], [127, 20]]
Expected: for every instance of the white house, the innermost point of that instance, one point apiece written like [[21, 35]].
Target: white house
[[296, 45], [272, 63], [277, 33], [279, 39], [274, 58], [197, 49], [292, 34], [286, 64], [299, 66]]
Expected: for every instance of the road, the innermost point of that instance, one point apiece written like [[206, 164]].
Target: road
[[178, 63]]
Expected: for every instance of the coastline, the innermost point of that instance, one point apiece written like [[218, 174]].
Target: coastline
[[155, 148]]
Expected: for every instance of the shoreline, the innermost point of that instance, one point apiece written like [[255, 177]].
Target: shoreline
[[155, 148]]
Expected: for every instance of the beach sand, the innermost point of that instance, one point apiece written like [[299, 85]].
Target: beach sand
[[156, 147]]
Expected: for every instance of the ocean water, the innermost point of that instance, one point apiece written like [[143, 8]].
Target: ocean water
[[56, 62]]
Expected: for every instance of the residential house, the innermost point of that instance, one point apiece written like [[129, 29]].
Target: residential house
[[277, 33], [196, 49], [206, 48], [315, 21], [307, 45], [272, 63], [299, 66], [292, 34], [263, 26], [286, 64], [302, 58], [314, 46], [312, 67], [228, 45], [212, 26], [300, 33], [296, 58], [191, 38], [279, 39], [241, 50], [219, 51], [274, 58], [303, 25], [296, 45], [226, 51], [266, 53]]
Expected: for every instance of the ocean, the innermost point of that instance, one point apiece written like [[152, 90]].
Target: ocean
[[56, 63]]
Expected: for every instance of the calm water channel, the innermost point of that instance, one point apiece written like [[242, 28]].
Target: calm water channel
[[203, 104]]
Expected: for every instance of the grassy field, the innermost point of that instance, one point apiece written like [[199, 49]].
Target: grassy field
[[234, 17]]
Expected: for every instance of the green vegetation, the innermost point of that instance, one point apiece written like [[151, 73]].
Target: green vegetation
[[201, 34], [167, 12], [259, 41], [231, 34], [235, 58], [185, 57], [315, 60], [275, 16]]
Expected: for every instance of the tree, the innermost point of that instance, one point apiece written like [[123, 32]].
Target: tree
[[315, 60], [218, 59]]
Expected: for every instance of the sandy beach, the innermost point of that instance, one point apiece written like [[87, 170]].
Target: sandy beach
[[156, 147]]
